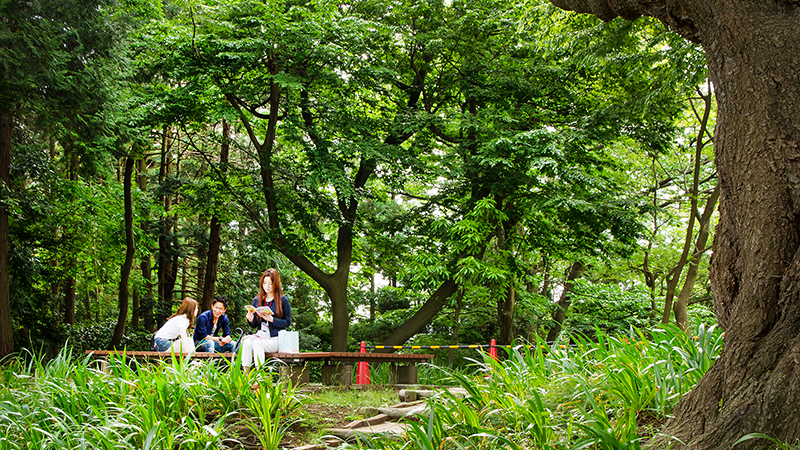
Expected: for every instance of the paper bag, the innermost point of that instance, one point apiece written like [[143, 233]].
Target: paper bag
[[183, 345], [288, 342]]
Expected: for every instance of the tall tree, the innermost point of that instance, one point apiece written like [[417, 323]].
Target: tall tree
[[214, 241], [167, 251], [6, 338], [125, 270], [753, 51], [317, 157], [694, 245], [52, 54], [536, 148]]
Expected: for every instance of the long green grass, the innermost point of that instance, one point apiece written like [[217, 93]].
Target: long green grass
[[604, 393], [610, 392], [69, 403]]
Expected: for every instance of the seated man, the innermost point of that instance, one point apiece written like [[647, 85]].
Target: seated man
[[212, 331]]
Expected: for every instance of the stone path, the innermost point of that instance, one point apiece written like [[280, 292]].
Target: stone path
[[390, 421]]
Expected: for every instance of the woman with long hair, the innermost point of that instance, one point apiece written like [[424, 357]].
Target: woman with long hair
[[273, 314], [173, 333]]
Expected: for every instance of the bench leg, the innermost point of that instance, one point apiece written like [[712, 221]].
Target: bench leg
[[298, 374], [403, 374], [337, 374]]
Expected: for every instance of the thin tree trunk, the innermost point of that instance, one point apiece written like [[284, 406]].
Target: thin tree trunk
[[423, 316], [575, 272], [72, 161], [69, 295], [682, 301], [146, 305], [372, 297], [136, 306], [215, 241], [166, 276], [202, 262], [6, 336], [456, 327], [674, 276], [335, 284], [125, 271], [506, 305]]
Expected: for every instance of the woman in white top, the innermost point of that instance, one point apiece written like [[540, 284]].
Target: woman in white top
[[173, 335]]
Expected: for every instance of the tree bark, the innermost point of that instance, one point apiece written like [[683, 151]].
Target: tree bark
[[451, 354], [125, 271], [166, 274], [145, 310], [575, 272], [210, 281], [136, 307], [423, 316], [69, 295], [6, 337], [679, 308], [753, 52], [506, 305]]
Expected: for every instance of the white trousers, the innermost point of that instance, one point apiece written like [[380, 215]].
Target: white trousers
[[254, 348]]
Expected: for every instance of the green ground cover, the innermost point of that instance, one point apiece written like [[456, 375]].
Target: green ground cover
[[609, 393]]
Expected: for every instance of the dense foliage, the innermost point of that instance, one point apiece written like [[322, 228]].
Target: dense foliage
[[432, 167]]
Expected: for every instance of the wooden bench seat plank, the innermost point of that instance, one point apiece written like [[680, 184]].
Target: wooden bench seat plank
[[398, 358], [155, 355]]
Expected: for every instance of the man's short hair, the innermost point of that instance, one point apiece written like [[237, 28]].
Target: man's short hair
[[222, 299]]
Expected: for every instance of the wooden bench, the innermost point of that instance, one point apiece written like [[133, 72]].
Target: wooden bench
[[337, 367]]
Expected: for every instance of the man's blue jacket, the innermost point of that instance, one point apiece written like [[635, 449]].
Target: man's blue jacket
[[205, 321]]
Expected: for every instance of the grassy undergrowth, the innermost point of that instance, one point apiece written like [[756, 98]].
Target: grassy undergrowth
[[69, 403], [610, 393]]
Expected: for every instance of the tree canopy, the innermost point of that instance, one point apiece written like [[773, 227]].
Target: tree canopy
[[395, 161]]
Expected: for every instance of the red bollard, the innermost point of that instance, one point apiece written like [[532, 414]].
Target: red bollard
[[362, 372], [493, 349]]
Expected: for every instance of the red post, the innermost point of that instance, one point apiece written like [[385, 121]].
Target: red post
[[362, 372], [493, 349]]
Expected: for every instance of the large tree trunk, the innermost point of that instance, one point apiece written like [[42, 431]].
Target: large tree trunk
[[6, 338], [753, 51], [575, 272], [125, 271]]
